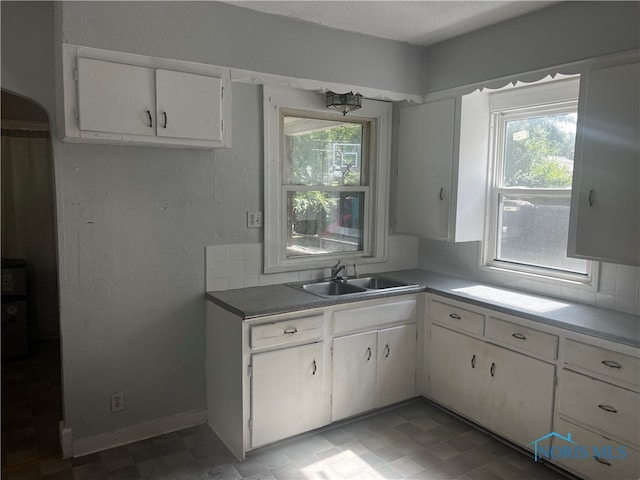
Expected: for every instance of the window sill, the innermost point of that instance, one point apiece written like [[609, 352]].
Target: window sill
[[589, 284]]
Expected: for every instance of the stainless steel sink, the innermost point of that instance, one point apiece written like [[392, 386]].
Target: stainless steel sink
[[331, 288], [352, 286], [377, 283]]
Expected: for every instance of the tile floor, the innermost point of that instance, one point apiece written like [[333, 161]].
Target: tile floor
[[413, 441]]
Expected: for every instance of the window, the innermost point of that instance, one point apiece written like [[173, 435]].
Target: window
[[530, 195], [325, 182]]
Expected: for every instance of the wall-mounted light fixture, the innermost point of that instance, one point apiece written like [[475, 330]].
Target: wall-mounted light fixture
[[344, 102]]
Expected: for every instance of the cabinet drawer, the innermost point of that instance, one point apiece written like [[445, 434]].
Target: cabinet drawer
[[457, 317], [590, 445], [286, 332], [373, 316], [601, 405], [603, 361], [524, 338]]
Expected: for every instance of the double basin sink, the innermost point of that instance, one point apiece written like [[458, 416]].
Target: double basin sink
[[352, 286]]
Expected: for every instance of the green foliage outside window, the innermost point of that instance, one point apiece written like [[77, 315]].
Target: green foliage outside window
[[539, 151]]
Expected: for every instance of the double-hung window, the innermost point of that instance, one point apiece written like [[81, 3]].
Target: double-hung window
[[325, 182], [532, 151]]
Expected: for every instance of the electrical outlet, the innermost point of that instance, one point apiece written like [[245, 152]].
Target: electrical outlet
[[117, 401], [254, 219]]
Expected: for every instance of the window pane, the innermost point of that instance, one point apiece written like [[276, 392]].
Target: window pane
[[538, 151], [533, 230], [322, 152], [324, 222]]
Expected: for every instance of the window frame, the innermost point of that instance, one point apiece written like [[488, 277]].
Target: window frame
[[280, 101], [518, 103]]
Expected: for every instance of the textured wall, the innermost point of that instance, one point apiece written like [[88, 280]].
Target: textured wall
[[222, 34], [562, 33]]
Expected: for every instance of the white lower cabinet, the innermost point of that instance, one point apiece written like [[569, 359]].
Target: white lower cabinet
[[373, 369], [595, 456], [396, 364], [286, 393], [599, 406], [455, 376], [507, 392], [354, 374]]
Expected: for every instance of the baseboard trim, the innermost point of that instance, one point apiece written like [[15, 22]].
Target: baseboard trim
[[134, 433]]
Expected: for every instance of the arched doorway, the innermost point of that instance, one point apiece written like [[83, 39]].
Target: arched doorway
[[31, 373]]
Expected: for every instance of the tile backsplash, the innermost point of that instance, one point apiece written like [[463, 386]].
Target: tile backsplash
[[238, 266], [618, 287]]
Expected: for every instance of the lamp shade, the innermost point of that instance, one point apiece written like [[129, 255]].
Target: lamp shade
[[344, 102]]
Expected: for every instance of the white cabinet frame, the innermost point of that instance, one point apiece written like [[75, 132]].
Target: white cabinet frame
[[69, 110]]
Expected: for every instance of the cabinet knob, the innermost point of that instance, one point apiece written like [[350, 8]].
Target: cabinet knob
[[611, 364], [608, 408], [602, 461], [150, 119]]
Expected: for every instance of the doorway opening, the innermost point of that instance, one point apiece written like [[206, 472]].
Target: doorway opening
[[31, 366]]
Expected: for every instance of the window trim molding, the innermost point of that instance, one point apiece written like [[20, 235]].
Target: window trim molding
[[379, 114], [521, 102]]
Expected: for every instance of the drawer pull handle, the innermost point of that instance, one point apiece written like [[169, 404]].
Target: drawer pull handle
[[493, 370], [519, 336], [165, 119], [611, 364], [602, 461], [455, 316], [388, 350], [291, 331], [315, 367], [368, 353], [440, 194], [150, 118], [608, 408], [473, 361]]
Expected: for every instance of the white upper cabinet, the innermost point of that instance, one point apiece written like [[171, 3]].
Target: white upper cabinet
[[186, 105], [442, 168], [117, 98], [113, 97], [605, 206]]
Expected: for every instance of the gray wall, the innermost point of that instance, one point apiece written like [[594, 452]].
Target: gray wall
[[133, 221], [222, 34], [562, 33]]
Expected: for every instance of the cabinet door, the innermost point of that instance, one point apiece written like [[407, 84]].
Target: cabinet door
[[425, 156], [456, 366], [286, 393], [606, 205], [519, 393], [115, 98], [396, 364], [188, 105], [354, 375]]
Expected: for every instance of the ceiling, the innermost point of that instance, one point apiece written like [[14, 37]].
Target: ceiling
[[416, 22]]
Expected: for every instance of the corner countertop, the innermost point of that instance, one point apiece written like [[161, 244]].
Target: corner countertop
[[611, 325]]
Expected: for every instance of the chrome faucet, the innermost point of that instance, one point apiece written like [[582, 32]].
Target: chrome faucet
[[336, 269]]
